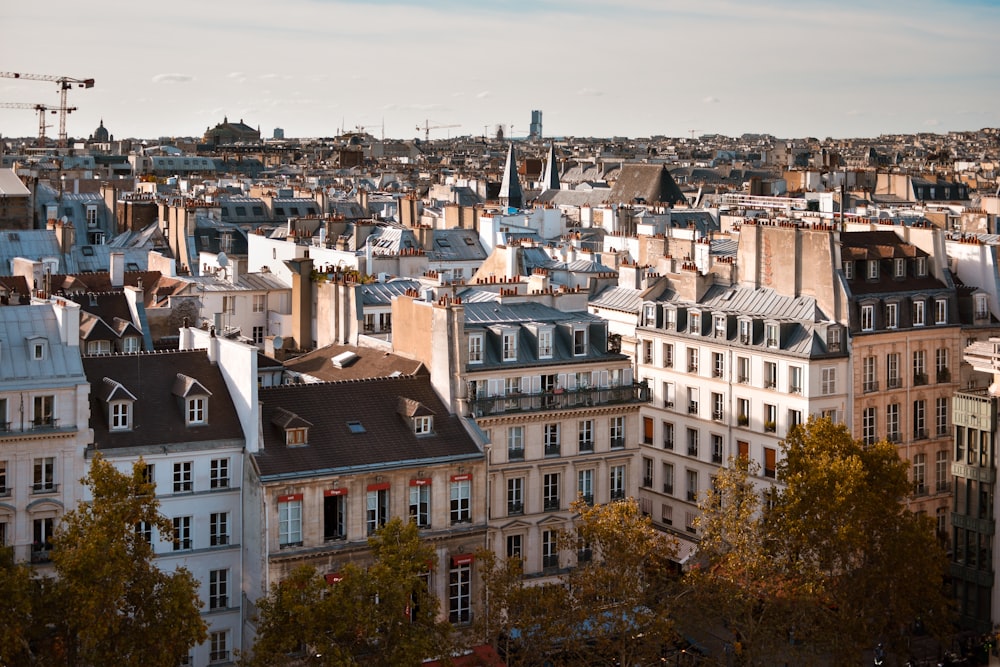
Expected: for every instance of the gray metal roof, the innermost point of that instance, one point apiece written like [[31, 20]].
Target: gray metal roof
[[762, 302], [19, 327], [375, 294], [486, 314], [624, 299]]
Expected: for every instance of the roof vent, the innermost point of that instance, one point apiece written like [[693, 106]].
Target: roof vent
[[344, 359]]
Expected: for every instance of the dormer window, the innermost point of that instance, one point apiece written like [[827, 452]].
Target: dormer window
[[899, 267], [921, 267], [941, 311], [296, 436], [745, 333], [649, 312], [510, 345], [476, 348], [891, 316], [695, 324], [720, 326], [545, 344], [194, 397], [197, 410], [579, 342], [423, 425], [849, 270], [130, 344], [121, 416], [873, 269], [421, 418], [95, 347], [296, 428], [119, 401], [771, 334], [833, 339], [37, 348], [670, 318]]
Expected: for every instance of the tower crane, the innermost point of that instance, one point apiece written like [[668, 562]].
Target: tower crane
[[427, 127], [41, 109], [64, 83]]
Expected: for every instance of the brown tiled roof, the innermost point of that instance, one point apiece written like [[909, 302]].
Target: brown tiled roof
[[158, 414], [371, 363], [101, 282], [387, 436], [876, 245], [651, 183]]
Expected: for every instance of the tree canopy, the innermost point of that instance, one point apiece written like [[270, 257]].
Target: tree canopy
[[832, 563], [382, 614]]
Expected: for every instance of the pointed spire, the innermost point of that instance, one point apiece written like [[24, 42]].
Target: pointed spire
[[510, 186], [550, 179]]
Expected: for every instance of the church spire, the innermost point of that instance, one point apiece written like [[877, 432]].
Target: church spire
[[550, 179], [510, 186]]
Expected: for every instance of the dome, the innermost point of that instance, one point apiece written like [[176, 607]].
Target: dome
[[101, 133]]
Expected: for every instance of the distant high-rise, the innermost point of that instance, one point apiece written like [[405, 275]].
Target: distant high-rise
[[535, 131], [279, 133]]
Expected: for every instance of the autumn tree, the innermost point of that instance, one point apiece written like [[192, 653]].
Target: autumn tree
[[382, 614], [832, 563], [116, 606], [610, 607], [16, 598]]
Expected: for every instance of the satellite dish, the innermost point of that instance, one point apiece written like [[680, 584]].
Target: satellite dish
[[222, 260], [279, 343]]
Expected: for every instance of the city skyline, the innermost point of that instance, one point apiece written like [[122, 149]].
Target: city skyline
[[595, 68]]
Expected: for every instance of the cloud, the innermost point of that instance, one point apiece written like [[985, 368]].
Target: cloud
[[483, 95], [173, 78], [711, 99], [932, 122], [589, 92]]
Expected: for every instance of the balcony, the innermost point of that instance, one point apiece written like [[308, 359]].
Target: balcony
[[43, 488], [668, 404], [559, 400], [769, 472], [41, 553], [692, 496], [919, 489], [869, 386], [893, 383], [550, 504], [692, 408], [795, 389], [514, 509], [550, 562], [770, 384], [717, 415], [668, 488], [586, 446], [587, 498], [552, 449], [647, 482], [770, 426], [693, 368], [617, 443], [668, 444], [716, 457], [692, 450], [919, 379], [618, 494], [717, 373], [743, 379], [742, 420], [943, 375], [516, 454], [584, 555], [920, 434]]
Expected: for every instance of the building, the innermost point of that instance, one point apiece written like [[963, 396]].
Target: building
[[15, 202], [535, 129]]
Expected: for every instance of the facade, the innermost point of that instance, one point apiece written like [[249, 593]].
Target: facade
[[174, 410], [339, 459], [44, 427]]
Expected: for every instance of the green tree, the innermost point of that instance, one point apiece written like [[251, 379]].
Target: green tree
[[117, 607], [380, 615], [833, 560], [609, 608]]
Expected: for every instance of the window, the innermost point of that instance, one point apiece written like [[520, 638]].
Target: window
[[694, 326], [668, 355], [585, 485], [476, 349], [550, 557], [43, 415], [921, 266], [770, 375], [941, 416], [219, 474], [833, 339], [423, 425], [892, 422], [460, 593], [545, 344], [771, 335], [919, 367], [647, 472], [617, 432], [718, 364], [899, 267], [746, 336], [693, 400], [4, 422], [515, 495], [941, 311], [795, 379], [692, 485], [919, 474], [941, 468], [182, 477], [552, 439], [219, 643], [515, 443], [218, 526], [794, 418], [130, 344], [376, 509], [743, 370], [868, 370], [579, 342], [828, 381], [334, 514], [770, 465], [668, 478], [868, 318], [38, 351], [849, 270], [692, 438], [868, 426], [96, 347], [618, 482], [720, 326], [44, 475], [872, 269], [257, 333], [4, 488], [742, 411], [919, 419], [515, 546], [717, 406], [259, 301], [918, 313], [510, 346], [550, 491], [182, 533], [668, 435], [290, 521], [941, 364], [647, 351], [892, 370], [144, 529], [229, 305], [585, 436], [461, 499], [692, 360], [218, 589], [420, 502], [668, 394], [982, 311], [770, 417], [891, 315], [196, 410], [716, 448]]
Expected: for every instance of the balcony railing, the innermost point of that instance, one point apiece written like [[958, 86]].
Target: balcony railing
[[550, 561], [587, 498], [668, 444], [647, 482], [586, 446], [716, 457], [943, 375], [893, 383], [618, 494], [41, 553], [552, 449], [692, 496], [44, 488], [559, 400], [692, 450], [717, 415], [6, 491], [617, 443], [692, 408], [870, 386], [919, 434], [515, 454], [919, 379], [515, 508], [668, 488], [550, 504]]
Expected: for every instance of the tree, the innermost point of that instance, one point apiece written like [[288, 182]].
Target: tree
[[380, 615], [16, 598], [833, 563], [610, 608], [117, 607]]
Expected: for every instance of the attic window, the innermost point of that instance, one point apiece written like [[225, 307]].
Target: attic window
[[356, 427], [197, 412], [88, 251], [444, 243], [278, 210], [296, 436]]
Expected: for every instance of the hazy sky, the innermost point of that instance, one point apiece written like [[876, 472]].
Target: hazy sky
[[791, 68]]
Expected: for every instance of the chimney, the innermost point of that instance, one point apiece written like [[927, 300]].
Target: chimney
[[65, 236], [117, 269]]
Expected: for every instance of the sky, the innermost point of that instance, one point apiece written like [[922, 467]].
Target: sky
[[595, 68]]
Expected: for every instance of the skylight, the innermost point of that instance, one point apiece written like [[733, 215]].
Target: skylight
[[356, 427]]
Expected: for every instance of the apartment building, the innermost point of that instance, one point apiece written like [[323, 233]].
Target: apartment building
[[44, 426], [558, 406]]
